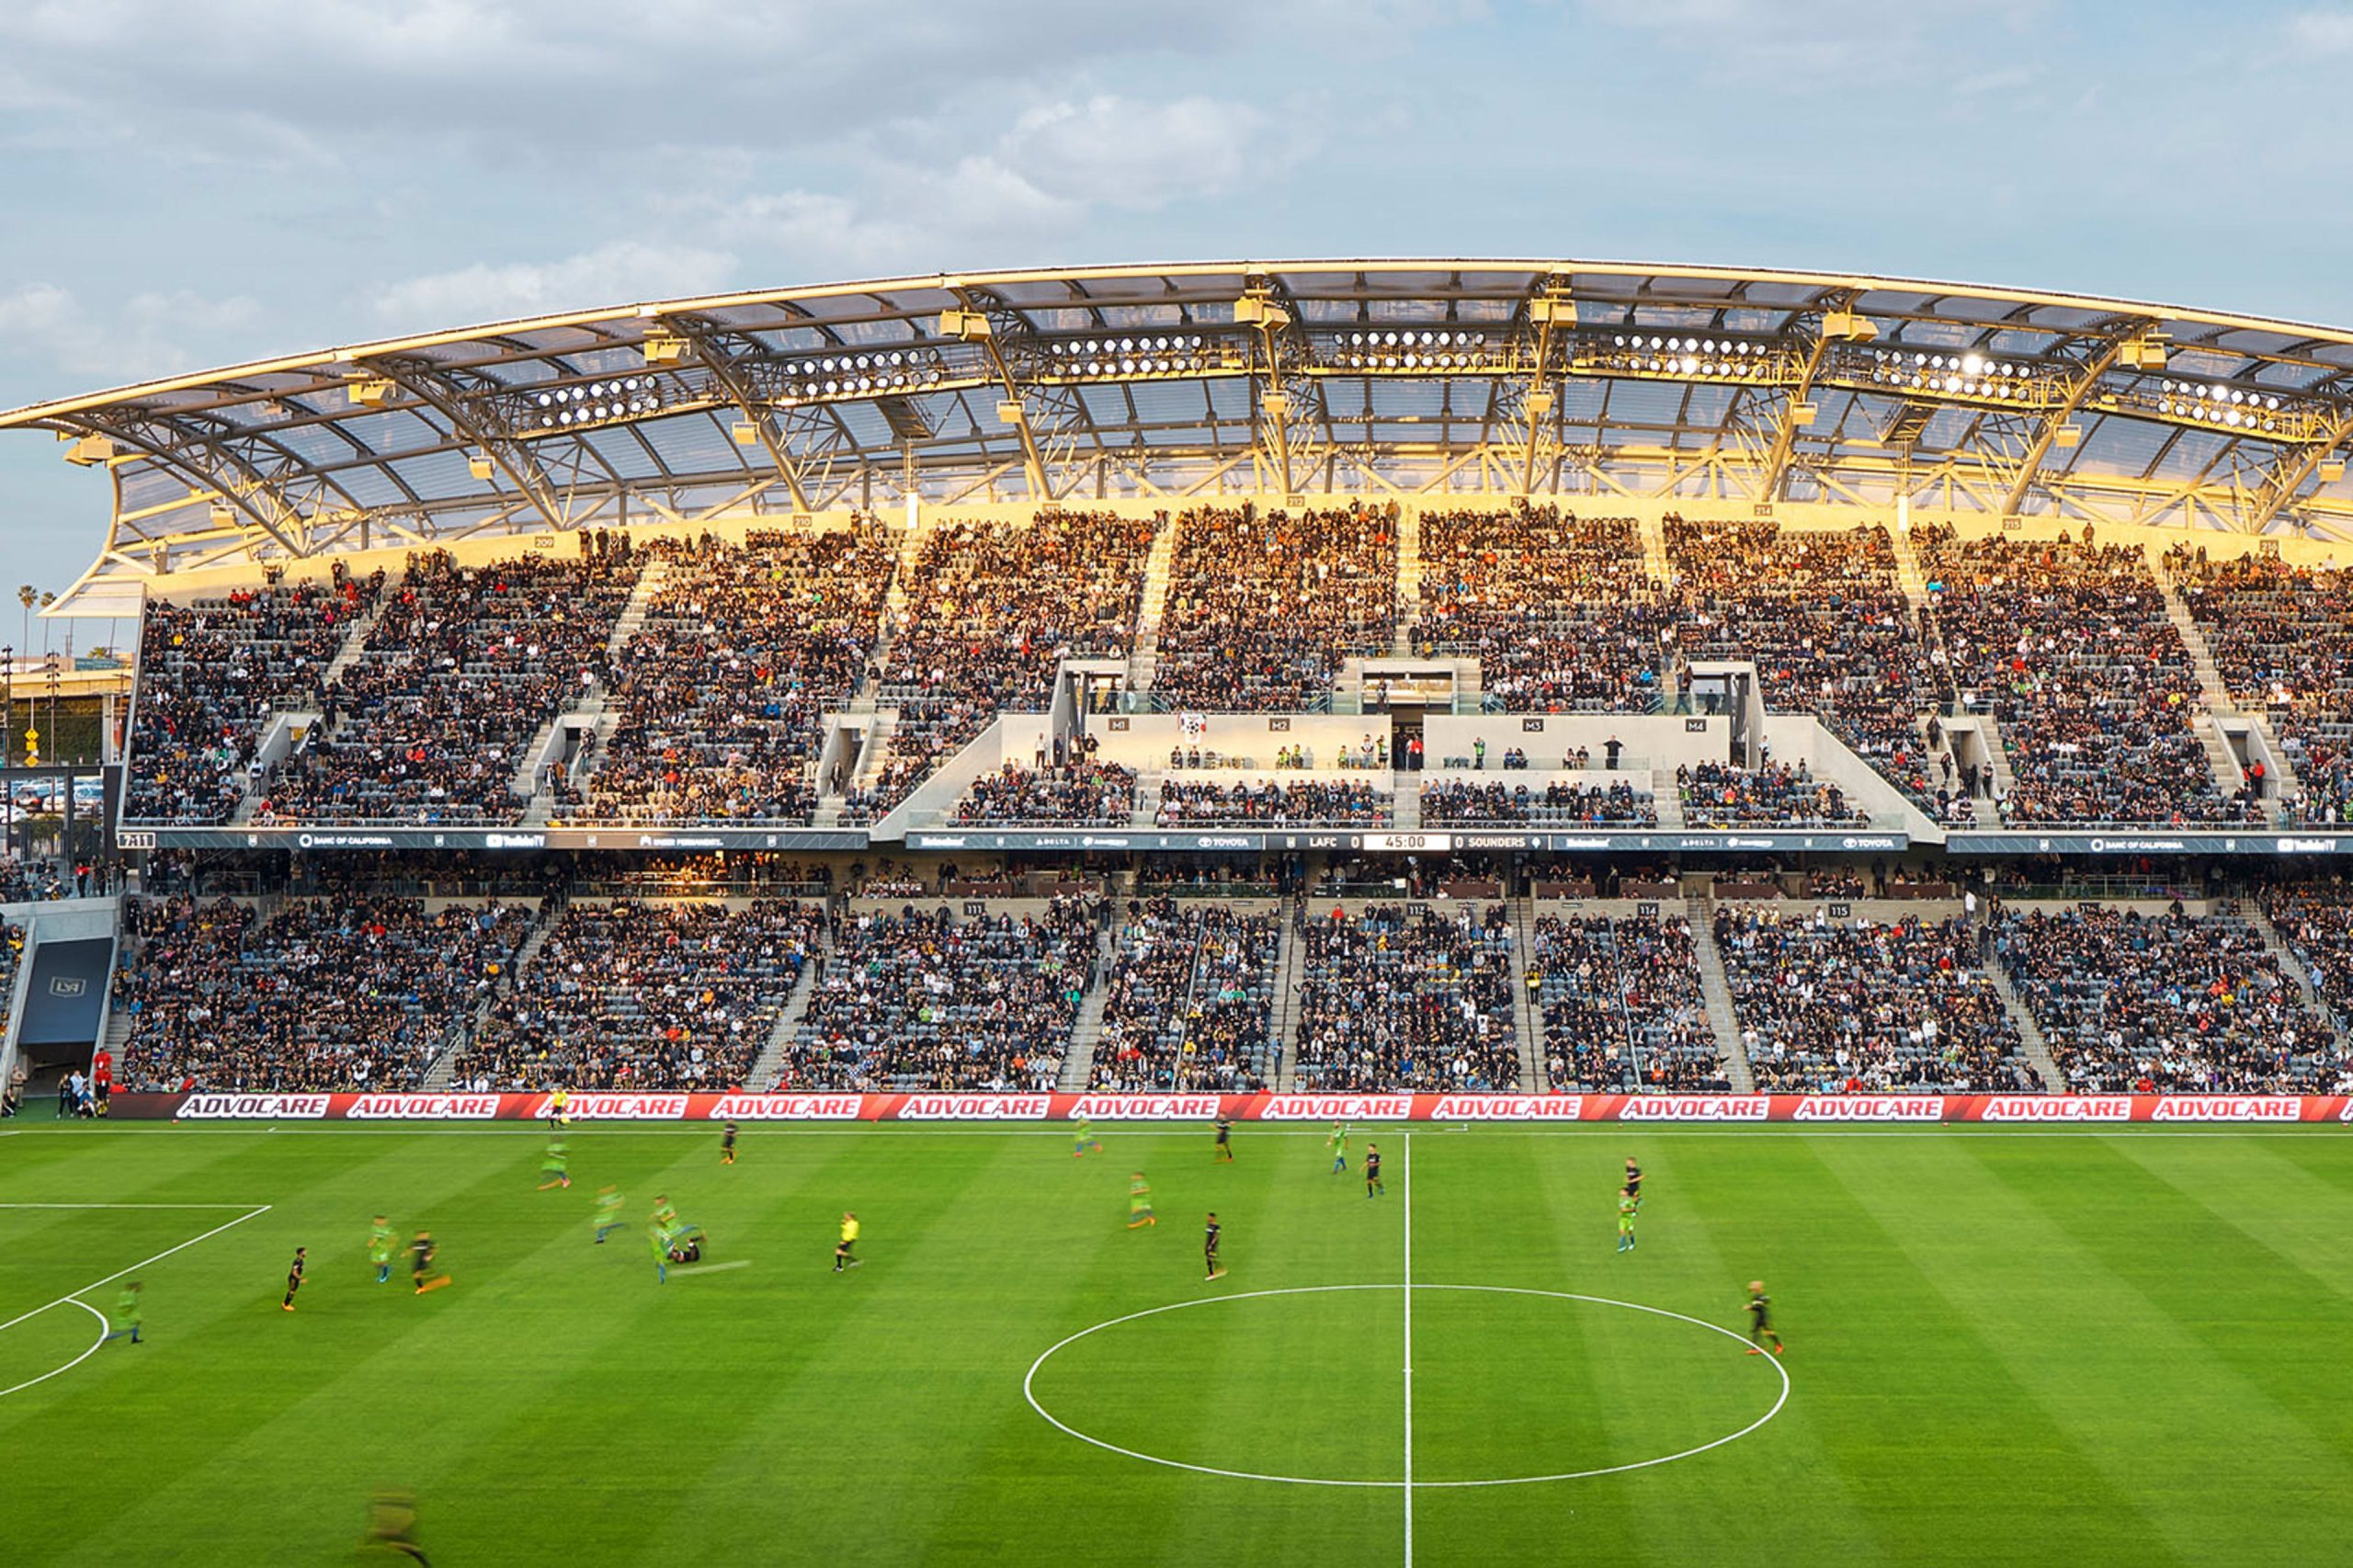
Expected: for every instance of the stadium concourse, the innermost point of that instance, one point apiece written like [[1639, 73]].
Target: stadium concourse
[[1154, 680]]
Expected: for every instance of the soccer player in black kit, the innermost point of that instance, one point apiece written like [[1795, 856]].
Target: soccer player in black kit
[[1634, 1183], [1373, 1184], [1224, 1153], [1760, 1320], [727, 1145], [1210, 1239], [293, 1277]]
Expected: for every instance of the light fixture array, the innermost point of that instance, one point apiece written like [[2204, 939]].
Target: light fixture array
[[1716, 358], [1412, 348], [595, 402], [1967, 374], [1135, 355]]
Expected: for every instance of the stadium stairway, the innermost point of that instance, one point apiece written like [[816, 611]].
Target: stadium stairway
[[894, 605], [352, 644], [2292, 966], [1086, 1029], [1667, 799], [2230, 774], [1143, 654], [1717, 992], [1288, 975], [1146, 809], [1528, 1026], [1654, 560], [1409, 582], [440, 1076], [2038, 1049], [1404, 807], [765, 1072], [632, 621]]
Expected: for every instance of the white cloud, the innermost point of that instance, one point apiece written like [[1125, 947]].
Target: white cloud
[[617, 273], [2323, 32], [1131, 154], [50, 328]]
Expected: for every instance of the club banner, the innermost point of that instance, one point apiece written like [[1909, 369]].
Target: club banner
[[2022, 1110]]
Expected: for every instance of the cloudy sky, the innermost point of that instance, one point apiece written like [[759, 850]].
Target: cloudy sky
[[185, 186]]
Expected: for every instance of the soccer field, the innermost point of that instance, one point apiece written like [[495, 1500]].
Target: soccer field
[[2004, 1348]]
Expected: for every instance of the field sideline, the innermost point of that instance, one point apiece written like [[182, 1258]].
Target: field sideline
[[2006, 1347]]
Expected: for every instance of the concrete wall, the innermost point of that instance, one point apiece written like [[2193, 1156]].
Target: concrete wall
[[1664, 741]]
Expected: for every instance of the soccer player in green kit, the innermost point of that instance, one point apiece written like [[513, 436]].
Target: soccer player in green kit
[[554, 1166], [126, 1314], [1340, 1146], [381, 1247], [1085, 1136], [1626, 1207], [661, 1239], [609, 1213], [1139, 1203]]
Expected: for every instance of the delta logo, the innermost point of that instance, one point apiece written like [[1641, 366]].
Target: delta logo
[[1509, 1108], [2057, 1107], [1145, 1107], [975, 1108], [253, 1108], [1870, 1108], [2227, 1107], [1694, 1108], [787, 1107], [1337, 1107], [421, 1108], [616, 1107]]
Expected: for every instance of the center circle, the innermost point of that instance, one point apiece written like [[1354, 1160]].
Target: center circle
[[1497, 1369]]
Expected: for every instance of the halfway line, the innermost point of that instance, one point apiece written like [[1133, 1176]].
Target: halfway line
[[1405, 1191]]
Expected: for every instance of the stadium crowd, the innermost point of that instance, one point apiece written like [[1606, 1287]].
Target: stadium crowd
[[463, 668], [1263, 607], [1720, 794], [1622, 1005], [2163, 1003], [1457, 803], [212, 676], [989, 609], [2069, 644], [1393, 1000], [1307, 802], [2282, 639], [1188, 1002], [634, 995], [347, 993], [721, 694], [924, 1000], [1078, 794], [1826, 1005], [1562, 612]]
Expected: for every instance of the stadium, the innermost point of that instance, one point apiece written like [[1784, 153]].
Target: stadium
[[1853, 764]]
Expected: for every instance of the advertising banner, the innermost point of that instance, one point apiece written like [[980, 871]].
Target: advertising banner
[[944, 1106]]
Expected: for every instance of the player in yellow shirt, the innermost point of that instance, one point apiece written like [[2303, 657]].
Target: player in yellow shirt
[[556, 1102], [842, 1259]]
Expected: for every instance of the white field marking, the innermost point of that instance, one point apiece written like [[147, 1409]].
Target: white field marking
[[77, 1360], [250, 1214], [1405, 1191], [1783, 1398], [712, 1268], [129, 1206]]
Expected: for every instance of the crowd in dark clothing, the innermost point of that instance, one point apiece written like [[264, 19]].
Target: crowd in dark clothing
[[1460, 803], [341, 994], [724, 690], [2165, 1003], [645, 996], [1264, 607], [1622, 1005], [1826, 1005], [1077, 794], [1562, 612], [2282, 641], [1719, 794], [924, 1000], [1301, 802], [1188, 1002], [1391, 1000]]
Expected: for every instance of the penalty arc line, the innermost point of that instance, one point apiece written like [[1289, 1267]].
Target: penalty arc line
[[77, 1360], [143, 1263]]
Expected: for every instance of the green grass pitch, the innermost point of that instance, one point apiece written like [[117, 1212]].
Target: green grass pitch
[[2002, 1348]]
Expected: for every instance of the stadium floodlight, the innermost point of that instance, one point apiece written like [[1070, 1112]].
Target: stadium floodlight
[[1010, 412], [664, 349], [479, 465], [2147, 352], [1256, 310], [971, 326], [89, 451], [370, 393], [746, 434]]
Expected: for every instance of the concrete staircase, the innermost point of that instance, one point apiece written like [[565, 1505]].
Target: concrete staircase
[[1717, 992], [1147, 804], [1997, 755], [443, 1073], [894, 605], [2291, 966], [1528, 1018], [1143, 655], [1290, 972], [778, 1045], [1667, 800], [1086, 1029], [2037, 1049], [2201, 652], [1405, 809], [1409, 581], [1654, 557], [1908, 575], [632, 620], [352, 645]]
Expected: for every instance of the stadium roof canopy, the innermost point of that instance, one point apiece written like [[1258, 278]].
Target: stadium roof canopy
[[1429, 377]]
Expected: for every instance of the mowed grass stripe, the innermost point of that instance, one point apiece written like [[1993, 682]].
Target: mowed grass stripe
[[2109, 1365]]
